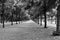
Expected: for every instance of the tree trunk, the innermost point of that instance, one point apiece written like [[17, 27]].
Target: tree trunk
[[55, 20], [38, 20], [45, 20], [12, 19], [51, 20], [58, 20], [19, 18], [41, 20], [45, 14], [3, 13], [57, 32], [1, 18], [16, 18]]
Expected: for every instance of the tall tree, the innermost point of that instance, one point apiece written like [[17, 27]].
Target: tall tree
[[47, 5], [2, 2], [57, 32]]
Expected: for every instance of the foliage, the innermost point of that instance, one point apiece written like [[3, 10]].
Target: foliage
[[36, 8]]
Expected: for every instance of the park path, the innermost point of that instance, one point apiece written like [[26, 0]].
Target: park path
[[28, 30]]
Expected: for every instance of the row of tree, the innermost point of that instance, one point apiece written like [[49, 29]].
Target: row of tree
[[40, 8], [11, 11]]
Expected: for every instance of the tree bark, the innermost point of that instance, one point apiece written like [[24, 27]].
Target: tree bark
[[45, 14], [57, 28], [19, 18], [41, 20], [57, 32], [45, 21], [12, 19], [3, 13], [16, 18]]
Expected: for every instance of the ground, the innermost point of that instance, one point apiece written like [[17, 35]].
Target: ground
[[28, 30]]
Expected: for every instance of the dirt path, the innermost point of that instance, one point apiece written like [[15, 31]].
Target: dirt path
[[27, 31]]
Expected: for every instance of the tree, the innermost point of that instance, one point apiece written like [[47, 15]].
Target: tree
[[57, 32], [17, 12], [2, 2], [47, 5]]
